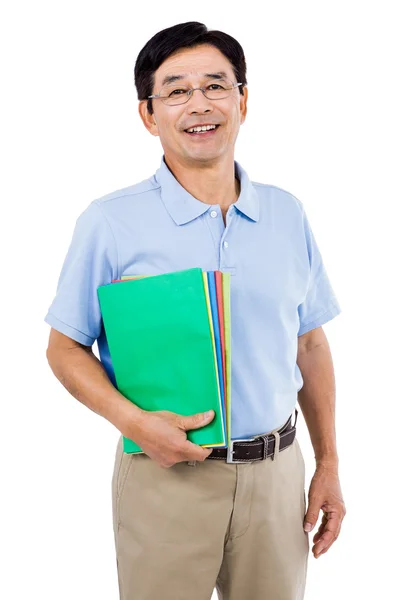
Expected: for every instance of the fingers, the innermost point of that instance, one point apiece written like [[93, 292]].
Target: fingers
[[321, 529], [195, 452], [326, 548], [311, 515], [196, 421], [327, 533]]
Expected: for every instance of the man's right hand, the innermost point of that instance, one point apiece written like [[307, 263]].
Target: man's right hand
[[162, 436]]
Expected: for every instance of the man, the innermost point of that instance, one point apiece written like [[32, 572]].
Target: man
[[186, 518]]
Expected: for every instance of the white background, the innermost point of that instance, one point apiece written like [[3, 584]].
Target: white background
[[323, 123]]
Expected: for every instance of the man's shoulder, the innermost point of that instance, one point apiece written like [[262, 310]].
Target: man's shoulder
[[271, 192], [129, 192], [121, 201]]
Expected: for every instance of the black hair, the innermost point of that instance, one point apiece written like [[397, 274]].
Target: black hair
[[184, 35]]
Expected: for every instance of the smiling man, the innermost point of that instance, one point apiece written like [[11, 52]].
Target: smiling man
[[188, 519]]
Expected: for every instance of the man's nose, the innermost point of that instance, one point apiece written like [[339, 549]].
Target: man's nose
[[199, 103]]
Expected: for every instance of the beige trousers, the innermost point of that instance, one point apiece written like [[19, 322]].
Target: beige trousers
[[182, 531]]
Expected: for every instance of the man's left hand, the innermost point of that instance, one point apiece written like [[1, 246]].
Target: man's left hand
[[324, 494]]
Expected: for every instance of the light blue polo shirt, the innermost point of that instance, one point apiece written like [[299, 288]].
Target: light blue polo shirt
[[279, 285]]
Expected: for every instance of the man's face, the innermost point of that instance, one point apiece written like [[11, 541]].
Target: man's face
[[170, 122]]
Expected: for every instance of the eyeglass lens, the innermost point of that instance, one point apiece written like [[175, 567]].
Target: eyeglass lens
[[177, 92]]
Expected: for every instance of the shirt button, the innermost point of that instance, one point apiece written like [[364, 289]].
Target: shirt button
[[226, 244], [213, 213]]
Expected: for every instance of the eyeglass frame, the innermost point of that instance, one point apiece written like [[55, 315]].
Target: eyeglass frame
[[190, 91]]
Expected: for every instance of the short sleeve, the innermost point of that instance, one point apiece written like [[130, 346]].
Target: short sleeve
[[320, 304], [91, 261]]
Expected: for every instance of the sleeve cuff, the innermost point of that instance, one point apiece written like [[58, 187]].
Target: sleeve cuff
[[321, 319], [71, 332]]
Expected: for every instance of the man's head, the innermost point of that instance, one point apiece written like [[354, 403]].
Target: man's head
[[189, 56]]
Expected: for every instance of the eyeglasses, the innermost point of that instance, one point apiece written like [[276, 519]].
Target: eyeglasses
[[175, 93]]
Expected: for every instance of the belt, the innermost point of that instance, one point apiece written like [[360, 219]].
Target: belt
[[257, 448]]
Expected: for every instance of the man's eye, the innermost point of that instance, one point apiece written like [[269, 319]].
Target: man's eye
[[177, 92], [215, 86]]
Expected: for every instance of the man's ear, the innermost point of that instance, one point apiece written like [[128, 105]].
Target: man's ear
[[149, 120], [243, 104]]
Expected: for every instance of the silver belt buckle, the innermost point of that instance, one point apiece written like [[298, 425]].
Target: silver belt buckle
[[231, 452]]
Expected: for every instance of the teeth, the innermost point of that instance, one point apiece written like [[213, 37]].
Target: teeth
[[203, 128]]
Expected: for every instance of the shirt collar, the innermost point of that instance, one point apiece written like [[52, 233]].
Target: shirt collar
[[183, 207]]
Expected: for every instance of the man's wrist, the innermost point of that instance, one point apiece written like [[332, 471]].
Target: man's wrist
[[124, 414], [329, 461]]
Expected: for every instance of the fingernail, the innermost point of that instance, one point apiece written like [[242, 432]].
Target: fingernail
[[307, 527]]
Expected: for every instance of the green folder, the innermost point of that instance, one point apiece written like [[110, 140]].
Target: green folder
[[161, 346]]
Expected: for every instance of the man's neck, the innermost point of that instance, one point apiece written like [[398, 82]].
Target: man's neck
[[210, 184]]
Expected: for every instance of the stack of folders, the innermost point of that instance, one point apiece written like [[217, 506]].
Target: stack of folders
[[169, 342]]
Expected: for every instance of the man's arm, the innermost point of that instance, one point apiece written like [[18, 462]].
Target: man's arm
[[83, 375], [160, 434], [317, 396], [317, 402]]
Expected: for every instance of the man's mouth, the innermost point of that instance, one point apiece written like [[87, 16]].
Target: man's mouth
[[203, 130]]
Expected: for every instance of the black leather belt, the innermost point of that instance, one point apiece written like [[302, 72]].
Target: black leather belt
[[258, 448]]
